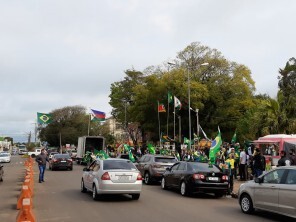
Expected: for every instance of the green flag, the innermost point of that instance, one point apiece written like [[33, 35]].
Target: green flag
[[216, 143], [130, 154], [151, 149], [101, 154], [170, 97], [233, 140], [43, 118]]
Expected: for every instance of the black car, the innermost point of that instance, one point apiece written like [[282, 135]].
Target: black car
[[61, 161], [195, 177]]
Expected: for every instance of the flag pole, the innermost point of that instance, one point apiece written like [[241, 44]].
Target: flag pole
[[168, 114], [88, 128], [158, 123], [174, 119]]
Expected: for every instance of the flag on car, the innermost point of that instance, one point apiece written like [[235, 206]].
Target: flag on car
[[130, 154], [215, 147], [151, 148], [98, 115], [101, 154], [44, 118]]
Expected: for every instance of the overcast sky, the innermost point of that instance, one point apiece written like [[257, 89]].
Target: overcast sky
[[56, 53]]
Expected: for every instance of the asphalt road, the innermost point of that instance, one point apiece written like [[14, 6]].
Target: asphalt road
[[59, 199]]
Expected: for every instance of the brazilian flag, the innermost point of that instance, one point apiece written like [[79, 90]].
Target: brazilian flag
[[43, 118]]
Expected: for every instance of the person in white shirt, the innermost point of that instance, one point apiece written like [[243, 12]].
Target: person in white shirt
[[242, 164]]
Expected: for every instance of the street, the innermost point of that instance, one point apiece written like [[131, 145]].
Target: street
[[59, 199]]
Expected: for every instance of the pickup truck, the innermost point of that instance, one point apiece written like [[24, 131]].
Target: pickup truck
[[34, 153]]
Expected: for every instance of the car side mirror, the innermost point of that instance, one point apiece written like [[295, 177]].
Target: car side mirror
[[85, 169], [168, 169], [258, 180]]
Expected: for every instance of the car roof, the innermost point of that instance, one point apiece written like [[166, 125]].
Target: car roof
[[159, 155]]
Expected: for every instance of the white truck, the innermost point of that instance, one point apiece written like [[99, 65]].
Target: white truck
[[90, 144], [34, 153]]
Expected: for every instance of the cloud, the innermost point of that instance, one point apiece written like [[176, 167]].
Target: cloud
[[59, 53]]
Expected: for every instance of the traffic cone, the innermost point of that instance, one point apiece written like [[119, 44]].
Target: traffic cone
[[26, 214], [28, 183], [25, 193]]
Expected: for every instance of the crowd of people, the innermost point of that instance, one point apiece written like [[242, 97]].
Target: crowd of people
[[239, 162]]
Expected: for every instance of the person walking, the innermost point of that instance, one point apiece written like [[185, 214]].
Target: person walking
[[284, 161], [41, 160]]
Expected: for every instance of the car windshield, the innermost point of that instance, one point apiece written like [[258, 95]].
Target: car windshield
[[60, 156], [204, 167], [165, 160], [4, 154], [118, 165]]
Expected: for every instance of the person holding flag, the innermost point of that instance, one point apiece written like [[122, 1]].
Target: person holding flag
[[215, 148]]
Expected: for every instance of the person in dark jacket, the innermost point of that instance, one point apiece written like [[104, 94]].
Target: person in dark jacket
[[292, 157], [41, 160], [284, 161], [258, 163]]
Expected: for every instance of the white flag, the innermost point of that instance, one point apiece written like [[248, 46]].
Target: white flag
[[177, 103]]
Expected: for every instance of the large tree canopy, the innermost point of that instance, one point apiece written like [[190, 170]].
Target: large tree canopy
[[222, 91], [68, 124]]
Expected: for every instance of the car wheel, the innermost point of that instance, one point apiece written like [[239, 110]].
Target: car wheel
[[163, 184], [246, 204], [147, 179], [52, 168], [1, 179], [183, 189], [71, 168], [136, 196], [219, 195], [95, 195], [83, 189]]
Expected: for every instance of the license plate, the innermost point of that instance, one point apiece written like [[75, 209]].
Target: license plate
[[63, 161], [213, 178], [123, 178]]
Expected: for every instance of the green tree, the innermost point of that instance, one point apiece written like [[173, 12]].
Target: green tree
[[68, 124], [222, 91]]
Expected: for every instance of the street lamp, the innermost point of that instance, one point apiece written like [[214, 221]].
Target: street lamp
[[203, 64]]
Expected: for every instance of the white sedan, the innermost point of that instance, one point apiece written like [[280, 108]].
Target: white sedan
[[5, 157], [112, 176]]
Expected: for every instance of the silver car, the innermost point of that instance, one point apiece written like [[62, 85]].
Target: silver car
[[112, 176], [274, 191]]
